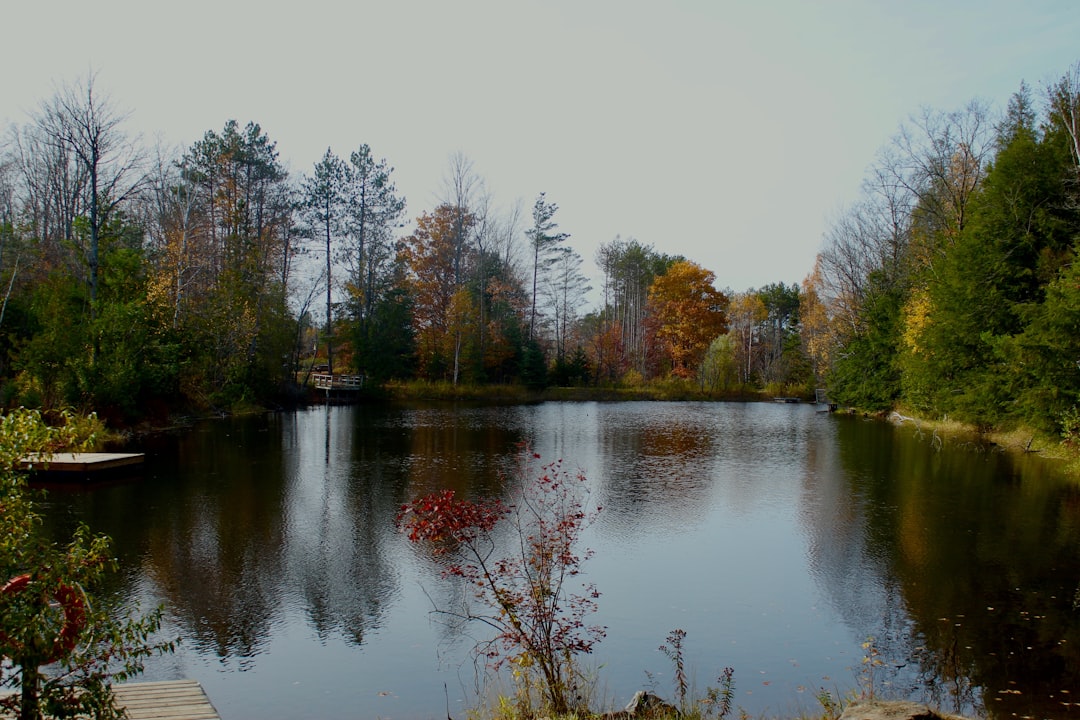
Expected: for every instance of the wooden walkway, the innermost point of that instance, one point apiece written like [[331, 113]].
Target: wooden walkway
[[166, 700]]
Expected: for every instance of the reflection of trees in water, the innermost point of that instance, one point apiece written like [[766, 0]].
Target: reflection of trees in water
[[214, 546], [461, 448], [962, 563], [656, 471], [339, 511], [667, 464], [348, 473]]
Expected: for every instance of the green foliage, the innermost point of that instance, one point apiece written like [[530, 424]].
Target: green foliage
[[1070, 427], [534, 374], [717, 700], [720, 369], [1047, 354], [67, 672], [959, 299], [385, 344], [1013, 243], [572, 372], [866, 373]]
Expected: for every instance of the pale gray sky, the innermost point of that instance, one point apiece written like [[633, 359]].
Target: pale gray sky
[[726, 131]]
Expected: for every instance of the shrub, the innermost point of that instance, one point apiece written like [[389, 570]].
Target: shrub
[[49, 615], [521, 591]]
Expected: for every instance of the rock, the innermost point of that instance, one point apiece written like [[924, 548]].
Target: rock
[[893, 710], [646, 705]]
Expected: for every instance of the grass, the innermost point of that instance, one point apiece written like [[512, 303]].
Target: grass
[[1016, 439], [685, 702], [669, 390]]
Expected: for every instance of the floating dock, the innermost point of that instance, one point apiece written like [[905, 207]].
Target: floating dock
[[75, 467], [167, 700]]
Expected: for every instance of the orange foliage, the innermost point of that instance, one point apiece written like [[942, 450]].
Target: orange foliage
[[690, 313], [429, 253]]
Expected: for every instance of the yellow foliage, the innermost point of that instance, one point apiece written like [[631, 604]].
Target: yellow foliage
[[916, 318]]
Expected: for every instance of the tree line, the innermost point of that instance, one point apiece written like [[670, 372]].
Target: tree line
[[140, 280], [950, 287]]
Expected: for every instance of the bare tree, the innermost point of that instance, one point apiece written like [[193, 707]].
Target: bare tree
[[566, 290], [463, 187], [940, 159], [1063, 99], [85, 123]]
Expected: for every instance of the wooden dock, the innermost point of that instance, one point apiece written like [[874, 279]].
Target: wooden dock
[[82, 462], [82, 467], [166, 700]]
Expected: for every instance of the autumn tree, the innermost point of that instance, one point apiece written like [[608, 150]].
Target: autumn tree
[[629, 269], [817, 326], [430, 255], [525, 591], [746, 313], [690, 314]]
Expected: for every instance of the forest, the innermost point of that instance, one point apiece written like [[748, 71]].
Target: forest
[[143, 282], [950, 288]]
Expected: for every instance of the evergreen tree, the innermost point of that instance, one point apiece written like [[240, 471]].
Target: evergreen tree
[[866, 374], [544, 241], [534, 373]]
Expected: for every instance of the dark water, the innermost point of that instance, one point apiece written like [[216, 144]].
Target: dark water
[[779, 538]]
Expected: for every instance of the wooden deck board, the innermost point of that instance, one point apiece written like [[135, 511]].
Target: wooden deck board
[[165, 700]]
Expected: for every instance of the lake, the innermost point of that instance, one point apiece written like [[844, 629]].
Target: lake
[[779, 538]]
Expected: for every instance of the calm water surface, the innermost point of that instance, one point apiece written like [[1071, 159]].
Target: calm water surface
[[779, 538]]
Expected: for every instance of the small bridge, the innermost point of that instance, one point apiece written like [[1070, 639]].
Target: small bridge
[[822, 398], [328, 382]]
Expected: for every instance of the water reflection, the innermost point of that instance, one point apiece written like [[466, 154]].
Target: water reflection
[[224, 537], [973, 556], [334, 541], [779, 538]]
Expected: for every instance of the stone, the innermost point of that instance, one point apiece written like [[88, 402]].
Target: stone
[[646, 705]]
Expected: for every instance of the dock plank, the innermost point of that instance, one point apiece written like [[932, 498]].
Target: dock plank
[[165, 700]]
